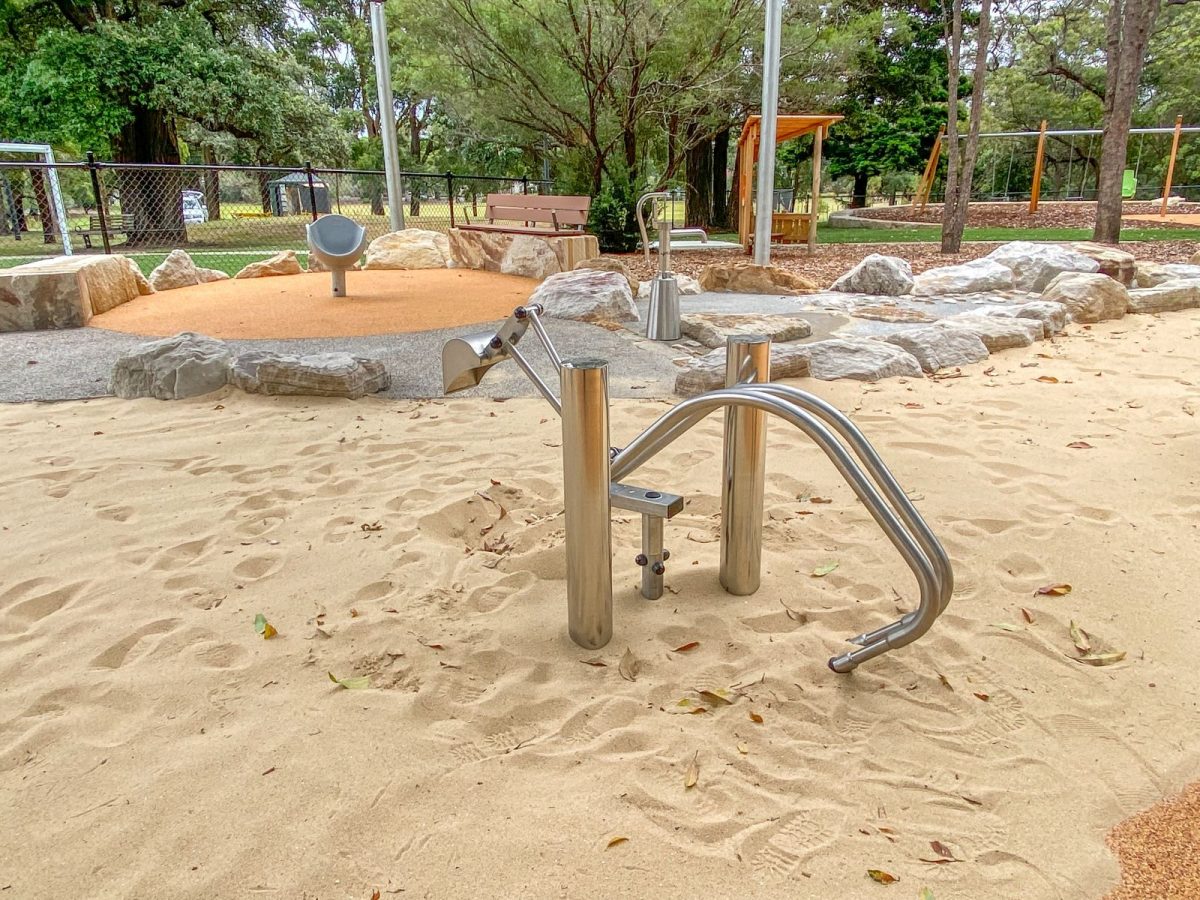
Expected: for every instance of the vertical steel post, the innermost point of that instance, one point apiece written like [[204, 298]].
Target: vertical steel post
[[766, 134], [450, 195], [584, 384], [747, 357], [387, 117], [98, 196], [652, 550], [312, 190]]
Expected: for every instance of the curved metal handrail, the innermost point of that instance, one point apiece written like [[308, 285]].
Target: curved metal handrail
[[682, 417]]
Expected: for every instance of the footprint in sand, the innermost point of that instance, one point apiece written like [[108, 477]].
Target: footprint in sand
[[118, 654], [26, 612], [256, 567], [182, 554], [116, 513]]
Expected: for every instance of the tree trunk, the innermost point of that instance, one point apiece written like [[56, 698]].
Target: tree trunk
[[954, 212], [151, 199], [720, 179], [858, 199], [698, 198], [212, 186], [37, 180], [1127, 28], [19, 222], [414, 149], [264, 192]]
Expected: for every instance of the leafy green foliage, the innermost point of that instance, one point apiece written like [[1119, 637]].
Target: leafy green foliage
[[612, 218]]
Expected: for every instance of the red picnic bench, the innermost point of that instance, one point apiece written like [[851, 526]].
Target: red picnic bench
[[565, 215]]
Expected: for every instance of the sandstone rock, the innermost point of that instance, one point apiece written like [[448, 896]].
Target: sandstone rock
[[1195, 260], [1149, 274], [1034, 265], [144, 287], [747, 278], [173, 368], [65, 291], [493, 251], [859, 359], [688, 286], [1089, 298], [530, 257], [587, 295], [940, 348], [176, 271], [877, 274], [609, 264], [972, 277], [207, 276], [284, 263], [998, 333], [1113, 262], [316, 374], [712, 330], [411, 248], [1168, 296], [891, 313], [1051, 314], [707, 372]]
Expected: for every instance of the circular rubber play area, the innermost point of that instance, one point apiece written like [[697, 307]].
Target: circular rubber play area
[[378, 301]]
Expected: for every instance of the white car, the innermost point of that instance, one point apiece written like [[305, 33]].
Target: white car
[[195, 211]]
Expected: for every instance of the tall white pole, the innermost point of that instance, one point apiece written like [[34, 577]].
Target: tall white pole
[[387, 121], [766, 133]]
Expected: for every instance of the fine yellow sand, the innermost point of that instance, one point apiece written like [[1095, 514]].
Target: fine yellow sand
[[153, 745]]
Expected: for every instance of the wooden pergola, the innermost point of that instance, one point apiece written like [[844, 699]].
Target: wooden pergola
[[802, 225]]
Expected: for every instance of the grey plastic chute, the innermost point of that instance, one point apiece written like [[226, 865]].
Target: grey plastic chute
[[337, 242]]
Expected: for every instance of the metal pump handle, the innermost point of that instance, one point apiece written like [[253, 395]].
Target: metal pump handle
[[652, 196]]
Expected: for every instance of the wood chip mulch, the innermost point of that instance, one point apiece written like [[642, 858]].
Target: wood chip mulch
[[1057, 214], [1159, 850]]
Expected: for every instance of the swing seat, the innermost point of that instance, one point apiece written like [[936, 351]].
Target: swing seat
[[1128, 184]]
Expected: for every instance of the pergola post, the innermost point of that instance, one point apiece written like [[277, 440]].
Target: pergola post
[[814, 206], [1036, 190], [1171, 165]]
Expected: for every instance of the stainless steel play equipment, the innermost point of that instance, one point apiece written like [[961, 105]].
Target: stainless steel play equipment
[[337, 242], [594, 479], [662, 322]]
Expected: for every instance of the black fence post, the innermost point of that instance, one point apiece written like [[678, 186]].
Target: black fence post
[[312, 190], [450, 195], [524, 184], [98, 196]]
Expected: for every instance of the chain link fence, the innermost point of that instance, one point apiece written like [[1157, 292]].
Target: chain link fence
[[225, 217]]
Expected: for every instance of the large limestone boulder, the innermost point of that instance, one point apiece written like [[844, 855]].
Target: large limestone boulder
[[530, 257], [1168, 296], [995, 332], [176, 271], [878, 274], [410, 248], [316, 374], [1034, 265], [610, 264], [748, 278], [1053, 316], [207, 276], [144, 287], [940, 348], [706, 373], [284, 263], [714, 329], [976, 276], [1150, 274], [859, 359], [65, 291], [688, 286], [1195, 260], [1113, 262], [587, 295], [173, 368], [1089, 298]]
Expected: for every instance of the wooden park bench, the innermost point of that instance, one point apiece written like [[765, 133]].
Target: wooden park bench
[[116, 225], [563, 215]]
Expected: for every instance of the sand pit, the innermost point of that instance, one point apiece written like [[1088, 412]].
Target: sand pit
[[300, 306], [152, 744]]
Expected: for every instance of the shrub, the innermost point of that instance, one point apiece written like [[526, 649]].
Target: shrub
[[612, 220]]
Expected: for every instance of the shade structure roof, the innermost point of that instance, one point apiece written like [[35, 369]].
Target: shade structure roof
[[786, 128]]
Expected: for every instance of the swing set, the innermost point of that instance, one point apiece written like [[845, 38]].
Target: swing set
[[1128, 187]]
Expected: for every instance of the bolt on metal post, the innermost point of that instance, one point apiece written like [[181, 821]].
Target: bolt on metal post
[[584, 384], [745, 458]]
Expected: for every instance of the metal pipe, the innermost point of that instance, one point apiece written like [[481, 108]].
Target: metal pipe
[[903, 632], [387, 117], [543, 388], [767, 132], [534, 313], [677, 232], [652, 557], [586, 481], [742, 470]]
